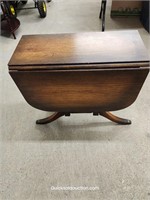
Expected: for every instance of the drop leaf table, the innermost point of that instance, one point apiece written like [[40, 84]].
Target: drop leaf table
[[95, 72]]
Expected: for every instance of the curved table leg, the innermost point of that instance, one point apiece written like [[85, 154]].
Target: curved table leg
[[115, 119], [51, 118], [107, 115]]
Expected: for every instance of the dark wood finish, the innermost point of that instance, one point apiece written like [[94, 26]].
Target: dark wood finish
[[80, 48], [76, 73], [50, 118], [115, 119], [9, 23], [82, 67], [107, 115], [80, 90]]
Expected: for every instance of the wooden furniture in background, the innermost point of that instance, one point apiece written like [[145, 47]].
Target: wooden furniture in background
[[126, 8], [80, 73], [9, 22]]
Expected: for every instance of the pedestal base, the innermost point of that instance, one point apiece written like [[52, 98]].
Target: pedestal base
[[107, 115]]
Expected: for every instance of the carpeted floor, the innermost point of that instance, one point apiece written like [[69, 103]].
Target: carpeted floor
[[80, 150]]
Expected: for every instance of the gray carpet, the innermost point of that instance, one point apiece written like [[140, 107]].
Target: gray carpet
[[80, 150]]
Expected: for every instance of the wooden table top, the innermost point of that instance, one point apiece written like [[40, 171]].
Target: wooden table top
[[93, 49]]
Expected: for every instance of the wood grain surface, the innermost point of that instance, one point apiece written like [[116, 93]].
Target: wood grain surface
[[80, 91], [79, 48], [83, 72]]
